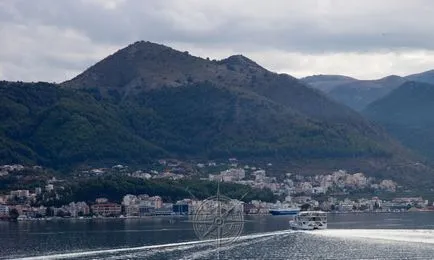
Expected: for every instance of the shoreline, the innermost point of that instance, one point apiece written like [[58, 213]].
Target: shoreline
[[187, 216]]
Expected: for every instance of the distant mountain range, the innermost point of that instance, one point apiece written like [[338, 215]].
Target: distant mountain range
[[326, 83], [149, 101], [407, 113], [402, 105], [425, 77], [358, 94]]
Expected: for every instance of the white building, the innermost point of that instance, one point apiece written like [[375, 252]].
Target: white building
[[129, 200], [318, 190], [78, 208], [4, 210], [38, 190], [388, 185], [49, 187], [20, 193], [10, 168], [141, 175], [234, 174], [132, 210]]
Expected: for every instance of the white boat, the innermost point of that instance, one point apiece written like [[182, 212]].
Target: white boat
[[309, 220]]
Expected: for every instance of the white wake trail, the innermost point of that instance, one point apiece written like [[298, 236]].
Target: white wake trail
[[112, 251], [180, 246], [240, 242], [397, 235]]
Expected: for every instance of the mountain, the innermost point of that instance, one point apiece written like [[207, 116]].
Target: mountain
[[149, 101], [45, 124], [354, 93], [407, 114], [326, 83], [143, 67], [359, 94], [425, 77]]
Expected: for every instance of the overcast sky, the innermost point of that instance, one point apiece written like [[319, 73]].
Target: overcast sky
[[54, 40]]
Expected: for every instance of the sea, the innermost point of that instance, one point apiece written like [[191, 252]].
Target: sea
[[349, 236]]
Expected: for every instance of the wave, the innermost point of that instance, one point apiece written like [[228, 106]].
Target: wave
[[171, 246], [216, 251], [398, 235]]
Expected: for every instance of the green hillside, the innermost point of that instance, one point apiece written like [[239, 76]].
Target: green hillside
[[55, 126], [148, 101], [407, 114], [44, 124], [356, 94]]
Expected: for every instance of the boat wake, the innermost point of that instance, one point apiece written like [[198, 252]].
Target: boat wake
[[277, 244], [396, 235], [208, 246]]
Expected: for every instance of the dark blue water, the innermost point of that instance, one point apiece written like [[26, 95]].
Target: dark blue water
[[350, 236]]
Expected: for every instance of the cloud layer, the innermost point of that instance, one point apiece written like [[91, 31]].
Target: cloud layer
[[54, 40]]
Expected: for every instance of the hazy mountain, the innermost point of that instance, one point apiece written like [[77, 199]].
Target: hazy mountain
[[426, 77], [351, 92], [326, 83], [407, 114], [149, 101], [358, 94]]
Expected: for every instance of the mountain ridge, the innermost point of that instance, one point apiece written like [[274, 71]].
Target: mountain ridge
[[164, 102], [406, 114], [358, 94]]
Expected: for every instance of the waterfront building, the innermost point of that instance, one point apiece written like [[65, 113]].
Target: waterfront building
[[38, 190], [180, 208], [132, 210], [20, 193], [78, 209], [107, 209], [4, 211], [145, 210]]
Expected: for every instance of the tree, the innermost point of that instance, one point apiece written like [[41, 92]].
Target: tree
[[13, 214], [60, 213], [49, 212], [363, 207], [377, 205], [305, 207]]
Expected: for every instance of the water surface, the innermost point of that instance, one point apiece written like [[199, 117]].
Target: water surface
[[350, 236]]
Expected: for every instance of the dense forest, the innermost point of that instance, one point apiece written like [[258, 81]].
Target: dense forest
[[48, 125]]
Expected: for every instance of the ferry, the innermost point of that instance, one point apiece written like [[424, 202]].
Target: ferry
[[309, 220], [284, 211]]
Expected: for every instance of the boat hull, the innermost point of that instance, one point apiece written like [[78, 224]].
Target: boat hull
[[309, 220], [284, 212]]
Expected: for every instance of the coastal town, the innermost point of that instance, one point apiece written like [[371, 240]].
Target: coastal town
[[336, 192]]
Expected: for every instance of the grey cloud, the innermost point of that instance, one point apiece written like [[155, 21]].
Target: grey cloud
[[306, 32], [157, 20], [304, 27]]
